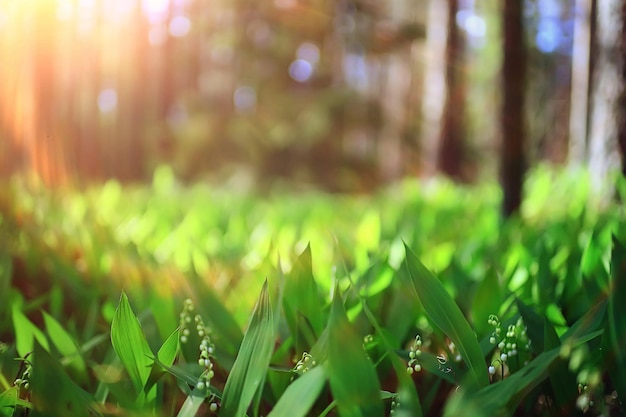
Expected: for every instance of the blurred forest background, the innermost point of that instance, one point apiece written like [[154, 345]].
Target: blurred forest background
[[344, 95]]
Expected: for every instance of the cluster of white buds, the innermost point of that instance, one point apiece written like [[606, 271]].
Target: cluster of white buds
[[584, 401], [510, 342], [23, 382], [395, 403], [185, 320], [414, 353], [368, 340], [305, 364], [207, 348]]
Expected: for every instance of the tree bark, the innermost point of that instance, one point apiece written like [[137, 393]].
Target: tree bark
[[512, 155], [451, 140], [581, 72], [621, 111], [607, 124], [434, 84]]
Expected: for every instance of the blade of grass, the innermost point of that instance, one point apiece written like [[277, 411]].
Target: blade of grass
[[445, 314], [496, 399], [53, 392], [130, 344], [300, 395], [407, 394], [8, 402], [192, 403], [165, 357], [353, 379], [617, 317], [65, 344], [302, 302], [253, 359], [26, 333]]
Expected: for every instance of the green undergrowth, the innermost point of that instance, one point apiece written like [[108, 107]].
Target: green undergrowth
[[419, 300]]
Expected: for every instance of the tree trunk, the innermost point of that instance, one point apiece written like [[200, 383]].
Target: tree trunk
[[451, 141], [607, 92], [434, 84], [512, 158], [581, 71], [621, 110]]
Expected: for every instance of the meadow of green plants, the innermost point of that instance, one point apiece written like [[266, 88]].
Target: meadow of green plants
[[172, 300]]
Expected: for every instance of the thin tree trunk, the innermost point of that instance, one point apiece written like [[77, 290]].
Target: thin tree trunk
[[512, 157], [607, 94], [621, 111], [581, 71], [451, 140], [434, 83]]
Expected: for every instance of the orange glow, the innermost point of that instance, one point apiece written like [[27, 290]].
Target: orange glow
[[56, 57]]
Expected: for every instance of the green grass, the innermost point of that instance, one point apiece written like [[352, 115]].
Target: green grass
[[174, 301]]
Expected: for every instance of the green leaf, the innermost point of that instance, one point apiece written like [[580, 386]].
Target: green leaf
[[53, 393], [8, 402], [302, 303], [353, 379], [26, 333], [445, 314], [559, 371], [65, 344], [409, 401], [192, 403], [487, 300], [497, 399], [253, 359], [617, 317], [130, 344], [165, 358], [300, 395]]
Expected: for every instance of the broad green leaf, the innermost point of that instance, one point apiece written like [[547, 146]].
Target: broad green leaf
[[617, 317], [165, 358], [26, 333], [252, 361], [353, 380], [65, 344], [501, 397], [487, 300], [445, 314], [53, 393], [559, 372], [302, 302], [409, 401], [8, 402], [300, 395], [192, 403], [169, 349], [130, 344]]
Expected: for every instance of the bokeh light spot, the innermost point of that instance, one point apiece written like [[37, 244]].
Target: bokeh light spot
[[156, 10], [244, 98], [301, 70], [548, 36], [309, 52], [107, 100], [180, 26]]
